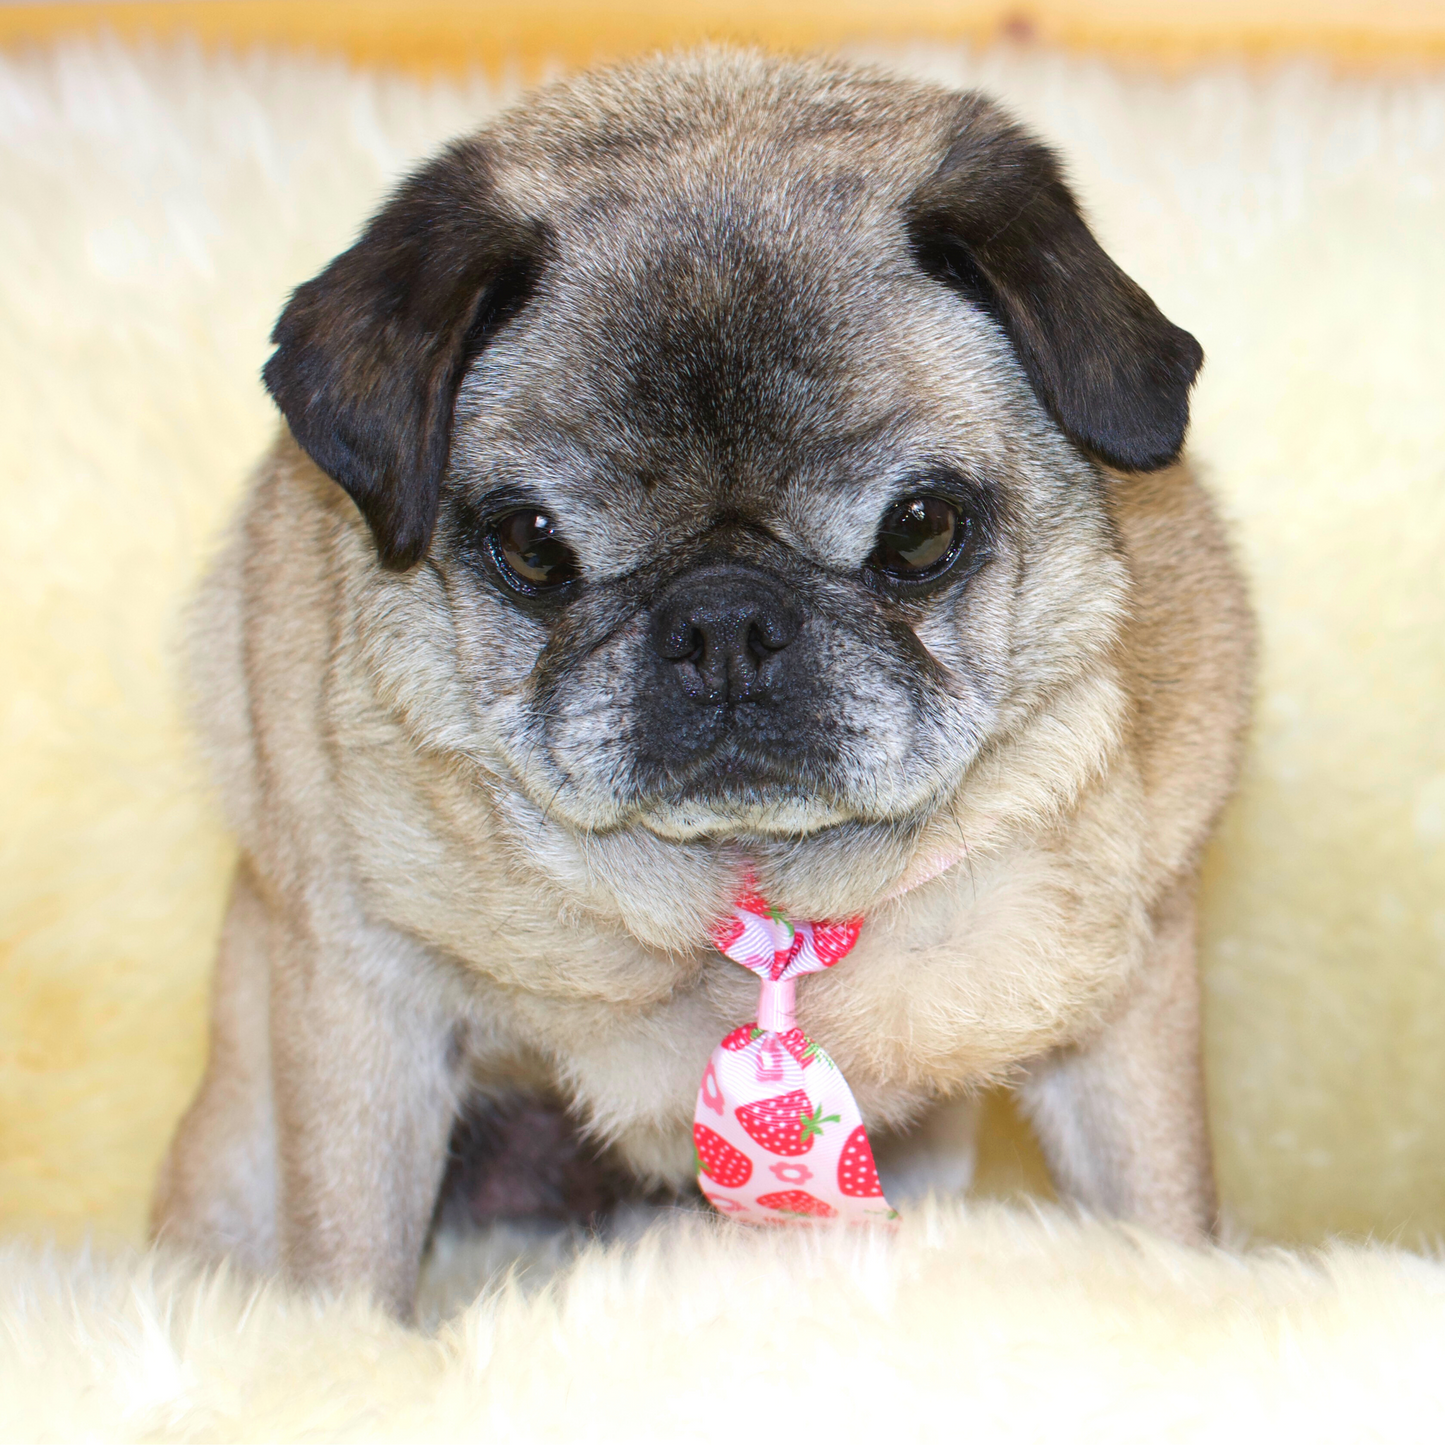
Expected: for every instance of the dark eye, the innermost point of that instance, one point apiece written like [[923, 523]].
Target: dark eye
[[917, 536], [530, 554]]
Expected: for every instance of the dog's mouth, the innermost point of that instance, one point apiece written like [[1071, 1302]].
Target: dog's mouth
[[731, 816], [742, 782], [734, 789]]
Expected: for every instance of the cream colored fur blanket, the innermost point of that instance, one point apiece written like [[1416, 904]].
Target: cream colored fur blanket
[[984, 1325], [154, 209]]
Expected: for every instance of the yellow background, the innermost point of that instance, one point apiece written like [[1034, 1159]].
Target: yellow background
[[129, 414]]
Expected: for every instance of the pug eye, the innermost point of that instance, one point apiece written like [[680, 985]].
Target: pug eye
[[918, 537], [529, 554]]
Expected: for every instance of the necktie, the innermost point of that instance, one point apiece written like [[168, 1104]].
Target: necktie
[[778, 1135]]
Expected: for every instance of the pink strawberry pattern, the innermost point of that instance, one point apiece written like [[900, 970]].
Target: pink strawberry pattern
[[785, 1125], [770, 1097], [798, 1201], [831, 941], [857, 1173], [751, 901], [797, 1043], [719, 1160], [727, 933]]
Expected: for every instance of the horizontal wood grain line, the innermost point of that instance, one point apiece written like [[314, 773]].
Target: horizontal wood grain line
[[431, 36]]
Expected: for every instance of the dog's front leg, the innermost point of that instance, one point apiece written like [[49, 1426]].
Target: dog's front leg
[[1121, 1117], [216, 1195], [364, 1078]]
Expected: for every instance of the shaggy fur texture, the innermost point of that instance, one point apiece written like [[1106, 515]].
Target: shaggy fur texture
[[157, 207], [981, 1325]]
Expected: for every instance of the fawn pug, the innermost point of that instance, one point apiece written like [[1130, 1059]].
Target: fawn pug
[[716, 464]]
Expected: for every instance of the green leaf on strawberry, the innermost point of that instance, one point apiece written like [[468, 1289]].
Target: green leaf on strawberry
[[785, 1124]]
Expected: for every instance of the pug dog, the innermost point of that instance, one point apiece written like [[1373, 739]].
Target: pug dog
[[721, 465]]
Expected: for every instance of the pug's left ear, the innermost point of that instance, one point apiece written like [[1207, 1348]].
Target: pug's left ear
[[997, 222], [370, 354]]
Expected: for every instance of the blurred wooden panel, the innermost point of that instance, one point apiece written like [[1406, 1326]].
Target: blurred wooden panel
[[427, 36]]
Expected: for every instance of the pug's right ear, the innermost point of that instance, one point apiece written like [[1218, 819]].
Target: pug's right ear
[[370, 354], [997, 224]]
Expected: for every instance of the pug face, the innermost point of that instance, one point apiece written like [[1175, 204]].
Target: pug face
[[750, 418], [768, 617]]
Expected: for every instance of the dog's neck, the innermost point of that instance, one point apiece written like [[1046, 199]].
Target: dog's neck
[[668, 894]]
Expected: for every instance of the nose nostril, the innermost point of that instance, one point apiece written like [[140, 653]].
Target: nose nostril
[[722, 630], [762, 642], [684, 642], [771, 632]]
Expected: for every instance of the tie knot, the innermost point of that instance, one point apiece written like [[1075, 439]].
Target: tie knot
[[775, 947]]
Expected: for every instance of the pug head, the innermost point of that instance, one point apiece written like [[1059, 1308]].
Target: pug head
[[748, 416]]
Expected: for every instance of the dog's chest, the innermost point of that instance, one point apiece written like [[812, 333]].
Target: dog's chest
[[950, 987]]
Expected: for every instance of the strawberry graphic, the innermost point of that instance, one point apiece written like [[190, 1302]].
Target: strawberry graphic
[[751, 901], [726, 932], [797, 1043], [831, 941], [785, 1124], [797, 1201], [857, 1174], [719, 1160], [741, 1037]]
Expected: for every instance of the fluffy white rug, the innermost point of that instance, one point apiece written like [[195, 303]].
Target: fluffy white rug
[[984, 1325], [156, 208]]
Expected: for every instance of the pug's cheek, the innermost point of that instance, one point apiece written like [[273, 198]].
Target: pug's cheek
[[594, 757], [582, 742], [897, 741], [497, 648], [896, 757]]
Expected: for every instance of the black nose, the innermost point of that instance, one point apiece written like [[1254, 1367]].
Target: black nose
[[724, 629]]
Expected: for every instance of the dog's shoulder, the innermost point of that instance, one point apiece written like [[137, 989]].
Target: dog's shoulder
[[261, 632], [1186, 655]]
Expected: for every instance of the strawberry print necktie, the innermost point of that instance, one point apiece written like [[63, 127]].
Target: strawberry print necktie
[[778, 1135]]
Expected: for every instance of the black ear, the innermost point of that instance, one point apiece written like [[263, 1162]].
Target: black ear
[[369, 354], [997, 221]]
